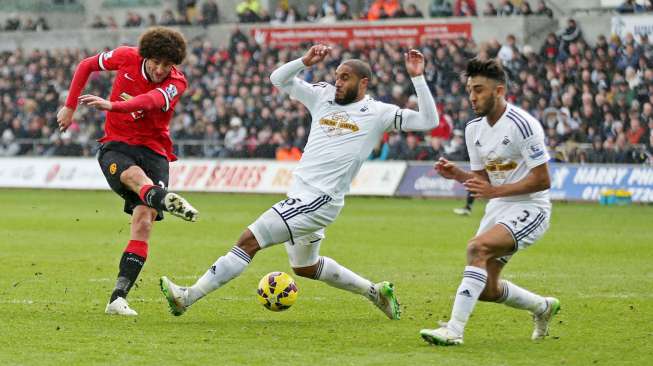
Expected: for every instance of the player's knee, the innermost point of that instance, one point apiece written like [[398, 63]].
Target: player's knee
[[248, 243], [308, 272], [478, 250]]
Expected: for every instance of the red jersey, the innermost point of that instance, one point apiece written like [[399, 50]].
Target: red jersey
[[148, 127]]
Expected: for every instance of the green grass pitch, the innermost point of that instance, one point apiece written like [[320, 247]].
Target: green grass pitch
[[59, 253]]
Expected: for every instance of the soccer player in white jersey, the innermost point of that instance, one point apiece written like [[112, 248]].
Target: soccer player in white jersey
[[509, 167], [346, 125]]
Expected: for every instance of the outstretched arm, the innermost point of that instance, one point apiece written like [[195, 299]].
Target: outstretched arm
[[143, 102], [285, 77], [82, 72], [427, 117]]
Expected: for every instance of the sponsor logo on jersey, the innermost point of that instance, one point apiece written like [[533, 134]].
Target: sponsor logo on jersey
[[171, 90], [113, 168], [136, 115], [338, 124]]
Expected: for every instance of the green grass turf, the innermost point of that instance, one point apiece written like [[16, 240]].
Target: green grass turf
[[59, 254]]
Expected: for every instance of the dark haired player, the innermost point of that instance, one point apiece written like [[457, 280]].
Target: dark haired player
[[508, 161], [136, 147], [346, 126]]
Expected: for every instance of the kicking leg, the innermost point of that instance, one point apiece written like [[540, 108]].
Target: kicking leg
[[155, 196], [306, 262]]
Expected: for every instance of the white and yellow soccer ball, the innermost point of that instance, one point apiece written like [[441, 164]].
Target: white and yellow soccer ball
[[277, 291]]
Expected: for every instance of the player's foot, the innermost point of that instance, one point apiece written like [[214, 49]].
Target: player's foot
[[119, 306], [386, 300], [178, 206], [462, 211], [543, 320], [175, 295], [442, 336]]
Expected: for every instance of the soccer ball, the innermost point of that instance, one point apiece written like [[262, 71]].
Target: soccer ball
[[277, 291]]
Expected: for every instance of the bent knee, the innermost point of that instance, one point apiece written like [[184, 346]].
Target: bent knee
[[248, 243], [478, 249], [307, 272], [490, 294]]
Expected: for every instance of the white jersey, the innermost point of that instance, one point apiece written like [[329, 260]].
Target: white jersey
[[508, 150], [343, 136]]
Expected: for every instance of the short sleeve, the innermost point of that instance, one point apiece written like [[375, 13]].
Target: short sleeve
[[475, 161], [533, 150], [114, 59]]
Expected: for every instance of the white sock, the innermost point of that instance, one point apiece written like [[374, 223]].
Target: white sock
[[473, 283], [332, 273], [519, 298], [223, 270]]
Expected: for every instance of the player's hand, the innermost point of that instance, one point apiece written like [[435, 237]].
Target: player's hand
[[316, 54], [65, 118], [446, 168], [480, 188], [414, 62], [96, 102]]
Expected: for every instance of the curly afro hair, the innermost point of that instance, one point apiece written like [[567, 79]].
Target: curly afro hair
[[163, 44]]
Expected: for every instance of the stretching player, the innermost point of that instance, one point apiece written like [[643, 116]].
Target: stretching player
[[346, 126], [508, 160], [136, 146]]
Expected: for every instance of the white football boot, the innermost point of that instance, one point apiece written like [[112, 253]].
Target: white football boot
[[384, 298], [119, 306], [177, 296], [462, 211], [442, 336], [543, 320], [178, 206]]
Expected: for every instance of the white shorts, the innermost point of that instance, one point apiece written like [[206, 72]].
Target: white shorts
[[526, 221], [299, 221]]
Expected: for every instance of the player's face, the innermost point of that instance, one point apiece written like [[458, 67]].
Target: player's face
[[348, 85], [484, 94], [158, 70]]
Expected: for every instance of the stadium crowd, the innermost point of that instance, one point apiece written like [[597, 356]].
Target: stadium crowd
[[595, 103]]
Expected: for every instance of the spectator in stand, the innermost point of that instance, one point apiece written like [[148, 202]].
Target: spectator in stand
[[630, 7], [151, 20], [343, 12], [505, 8], [380, 151], [525, 9], [383, 9], [248, 11], [464, 8], [312, 14], [210, 13], [542, 9], [168, 18], [569, 35], [288, 152], [440, 9], [549, 50], [408, 11], [133, 20], [12, 23], [111, 22], [490, 10], [234, 141]]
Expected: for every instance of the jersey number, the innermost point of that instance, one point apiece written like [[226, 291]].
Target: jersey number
[[526, 216]]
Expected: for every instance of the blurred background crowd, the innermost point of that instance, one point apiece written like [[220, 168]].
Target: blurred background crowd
[[595, 102]]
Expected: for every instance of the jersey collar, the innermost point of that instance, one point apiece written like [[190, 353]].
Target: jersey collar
[[143, 72]]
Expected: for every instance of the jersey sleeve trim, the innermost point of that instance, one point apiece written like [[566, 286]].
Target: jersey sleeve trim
[[399, 118], [100, 62], [165, 96]]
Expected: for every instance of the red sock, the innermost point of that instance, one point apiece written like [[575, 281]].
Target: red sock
[[137, 247], [143, 191]]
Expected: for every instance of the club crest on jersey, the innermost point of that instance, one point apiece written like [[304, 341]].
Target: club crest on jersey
[[338, 124], [365, 109], [477, 143], [171, 90], [505, 141], [536, 151]]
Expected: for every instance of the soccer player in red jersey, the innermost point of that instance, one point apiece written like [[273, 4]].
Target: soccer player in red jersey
[[136, 148]]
